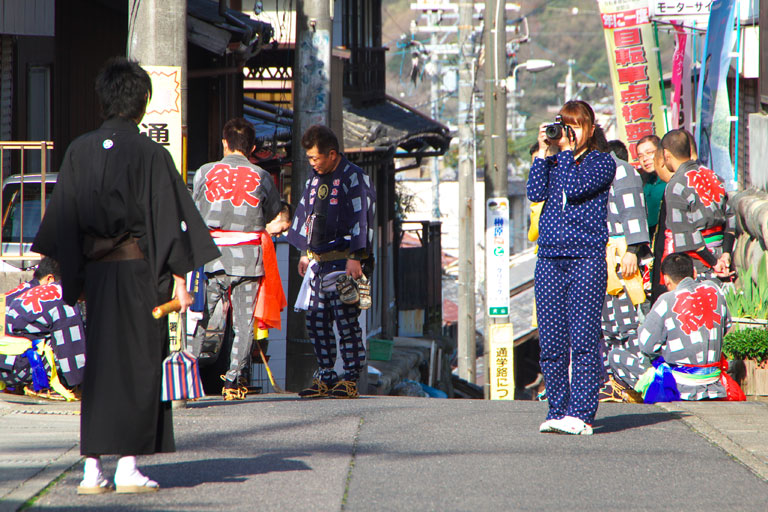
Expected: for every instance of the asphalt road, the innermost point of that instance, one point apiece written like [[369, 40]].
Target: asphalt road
[[276, 453]]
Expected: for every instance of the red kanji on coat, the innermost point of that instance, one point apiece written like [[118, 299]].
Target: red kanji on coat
[[234, 184], [22, 286], [697, 309], [43, 293], [708, 186]]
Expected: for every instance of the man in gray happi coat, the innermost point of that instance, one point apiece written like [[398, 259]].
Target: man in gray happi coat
[[700, 222], [236, 199]]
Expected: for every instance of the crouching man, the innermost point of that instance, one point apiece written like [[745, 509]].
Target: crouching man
[[680, 340], [43, 352]]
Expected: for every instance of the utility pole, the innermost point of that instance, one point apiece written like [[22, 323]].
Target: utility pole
[[311, 105], [157, 36], [467, 165], [434, 99], [495, 95]]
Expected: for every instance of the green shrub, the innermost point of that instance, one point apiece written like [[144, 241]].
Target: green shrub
[[749, 343], [750, 299]]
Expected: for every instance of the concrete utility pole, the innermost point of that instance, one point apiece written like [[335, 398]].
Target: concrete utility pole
[[311, 105], [434, 99], [467, 165], [495, 94], [157, 36]]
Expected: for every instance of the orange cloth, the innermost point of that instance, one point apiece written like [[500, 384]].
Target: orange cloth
[[270, 300]]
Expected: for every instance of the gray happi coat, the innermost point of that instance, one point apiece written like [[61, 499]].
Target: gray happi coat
[[235, 195]]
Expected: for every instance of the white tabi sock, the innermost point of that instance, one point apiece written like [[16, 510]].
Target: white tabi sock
[[91, 472], [128, 474]]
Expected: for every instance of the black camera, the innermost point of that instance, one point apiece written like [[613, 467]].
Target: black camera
[[554, 131]]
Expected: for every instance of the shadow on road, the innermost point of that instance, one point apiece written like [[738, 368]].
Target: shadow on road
[[225, 470], [617, 423]]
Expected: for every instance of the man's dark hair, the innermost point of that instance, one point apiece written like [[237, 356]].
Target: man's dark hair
[[123, 89], [534, 148], [654, 139], [322, 137], [677, 266], [47, 266], [287, 208], [677, 143], [600, 141], [620, 149], [239, 134]]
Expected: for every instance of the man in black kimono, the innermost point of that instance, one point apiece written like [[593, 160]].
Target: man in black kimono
[[123, 227]]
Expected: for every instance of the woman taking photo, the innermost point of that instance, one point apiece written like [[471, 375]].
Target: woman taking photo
[[571, 274]]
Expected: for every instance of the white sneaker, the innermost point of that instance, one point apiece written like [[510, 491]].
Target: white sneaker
[[570, 425], [546, 427]]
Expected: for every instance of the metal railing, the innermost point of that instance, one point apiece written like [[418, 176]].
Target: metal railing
[[6, 174]]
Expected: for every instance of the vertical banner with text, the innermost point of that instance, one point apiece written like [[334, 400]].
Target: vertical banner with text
[[634, 71], [162, 122], [502, 362], [497, 256]]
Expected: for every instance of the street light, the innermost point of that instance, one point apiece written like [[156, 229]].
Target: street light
[[532, 66]]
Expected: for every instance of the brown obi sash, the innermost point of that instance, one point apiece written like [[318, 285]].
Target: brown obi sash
[[120, 248]]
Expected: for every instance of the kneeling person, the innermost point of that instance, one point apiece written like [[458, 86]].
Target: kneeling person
[[683, 333], [40, 313]]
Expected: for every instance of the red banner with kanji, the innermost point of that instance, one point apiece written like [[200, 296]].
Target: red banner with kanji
[[634, 71]]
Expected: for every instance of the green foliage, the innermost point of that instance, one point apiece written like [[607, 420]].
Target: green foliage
[[750, 298], [749, 343]]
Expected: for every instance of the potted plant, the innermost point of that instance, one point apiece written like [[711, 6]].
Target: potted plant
[[749, 345]]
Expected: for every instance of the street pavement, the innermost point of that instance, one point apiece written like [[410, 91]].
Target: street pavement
[[277, 452]]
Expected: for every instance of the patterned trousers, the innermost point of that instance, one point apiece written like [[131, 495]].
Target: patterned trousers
[[628, 363], [242, 293], [569, 298], [325, 309], [21, 374], [619, 326]]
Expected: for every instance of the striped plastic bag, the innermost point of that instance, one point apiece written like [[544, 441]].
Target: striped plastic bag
[[181, 377], [181, 374]]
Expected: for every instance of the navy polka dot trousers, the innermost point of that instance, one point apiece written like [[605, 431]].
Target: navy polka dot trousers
[[569, 302]]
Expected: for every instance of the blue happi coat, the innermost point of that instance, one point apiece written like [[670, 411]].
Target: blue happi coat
[[349, 214], [40, 312]]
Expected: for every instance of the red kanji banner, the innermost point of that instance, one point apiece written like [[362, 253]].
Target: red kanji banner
[[634, 71]]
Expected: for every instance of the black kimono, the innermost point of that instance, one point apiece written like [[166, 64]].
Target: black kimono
[[117, 185]]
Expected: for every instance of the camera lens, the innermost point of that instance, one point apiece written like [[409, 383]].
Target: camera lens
[[554, 131]]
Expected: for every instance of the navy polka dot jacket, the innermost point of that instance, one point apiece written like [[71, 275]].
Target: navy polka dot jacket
[[573, 221]]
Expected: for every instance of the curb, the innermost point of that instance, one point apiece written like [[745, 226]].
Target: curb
[[718, 438], [32, 486]]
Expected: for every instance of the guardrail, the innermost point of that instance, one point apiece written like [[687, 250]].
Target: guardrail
[[16, 152]]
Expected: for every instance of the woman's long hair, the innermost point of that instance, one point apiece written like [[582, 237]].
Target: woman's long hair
[[580, 113]]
